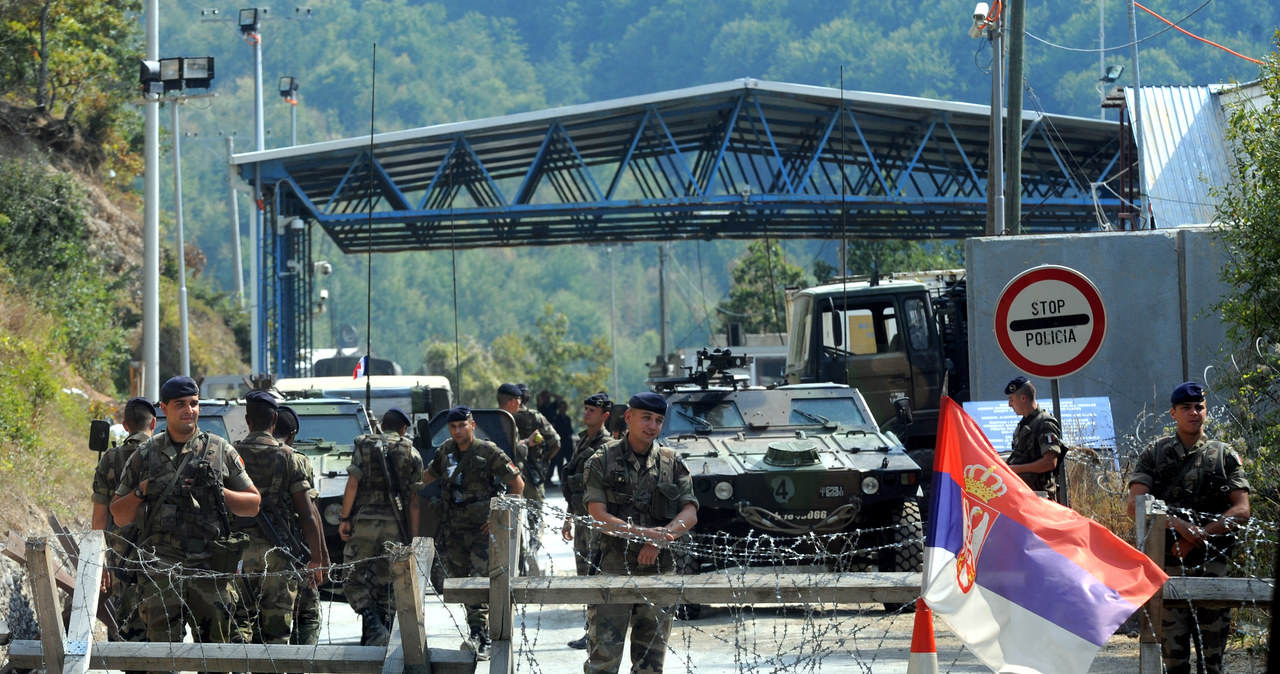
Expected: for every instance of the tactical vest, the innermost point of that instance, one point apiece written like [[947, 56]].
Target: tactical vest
[[649, 501], [468, 478], [187, 519], [375, 484], [268, 465], [121, 540], [1198, 482], [574, 484], [1026, 449]]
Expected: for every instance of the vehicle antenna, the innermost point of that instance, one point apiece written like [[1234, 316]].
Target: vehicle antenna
[[844, 235], [368, 299]]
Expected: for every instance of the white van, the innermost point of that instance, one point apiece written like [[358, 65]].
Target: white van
[[414, 394]]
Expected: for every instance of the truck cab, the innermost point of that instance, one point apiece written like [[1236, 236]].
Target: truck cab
[[893, 339]]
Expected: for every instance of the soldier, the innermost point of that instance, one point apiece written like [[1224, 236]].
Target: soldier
[[642, 498], [272, 562], [586, 549], [119, 578], [1203, 478], [385, 477], [1037, 441], [472, 472], [542, 443], [306, 609], [181, 486]]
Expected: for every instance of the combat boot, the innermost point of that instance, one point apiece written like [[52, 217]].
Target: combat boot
[[373, 632], [478, 642]]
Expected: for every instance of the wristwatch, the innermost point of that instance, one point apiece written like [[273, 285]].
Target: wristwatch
[[142, 495]]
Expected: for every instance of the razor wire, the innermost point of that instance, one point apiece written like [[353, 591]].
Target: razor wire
[[800, 636]]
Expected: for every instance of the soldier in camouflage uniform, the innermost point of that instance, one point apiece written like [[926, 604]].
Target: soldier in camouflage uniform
[[306, 609], [272, 561], [181, 486], [139, 421], [380, 504], [1204, 479], [586, 549], [642, 497], [472, 471], [1037, 441], [542, 443]]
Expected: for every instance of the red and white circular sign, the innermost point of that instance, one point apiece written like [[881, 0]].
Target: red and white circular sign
[[1050, 321]]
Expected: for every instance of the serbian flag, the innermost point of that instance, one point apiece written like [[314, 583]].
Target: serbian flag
[[1027, 584], [361, 366]]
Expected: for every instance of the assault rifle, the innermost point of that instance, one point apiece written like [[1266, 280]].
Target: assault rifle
[[284, 537], [393, 478], [205, 474]]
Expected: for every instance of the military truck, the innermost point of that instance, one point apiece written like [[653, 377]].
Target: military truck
[[217, 416], [805, 464], [902, 341]]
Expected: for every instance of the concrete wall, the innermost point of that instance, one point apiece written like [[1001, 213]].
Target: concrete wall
[[1158, 288]]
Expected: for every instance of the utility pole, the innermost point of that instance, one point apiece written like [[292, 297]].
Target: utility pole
[[182, 248], [1013, 130], [235, 225]]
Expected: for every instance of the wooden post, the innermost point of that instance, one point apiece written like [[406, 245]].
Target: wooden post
[[408, 645], [84, 602], [504, 563], [1151, 528], [45, 595]]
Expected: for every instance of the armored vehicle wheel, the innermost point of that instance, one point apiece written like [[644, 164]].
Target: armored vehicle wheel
[[904, 540]]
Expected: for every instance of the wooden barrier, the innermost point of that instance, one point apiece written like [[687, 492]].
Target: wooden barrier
[[75, 652]]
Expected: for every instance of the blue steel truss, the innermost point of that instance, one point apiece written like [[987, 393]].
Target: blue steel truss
[[738, 159]]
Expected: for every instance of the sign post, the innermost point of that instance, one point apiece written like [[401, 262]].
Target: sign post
[[1050, 322]]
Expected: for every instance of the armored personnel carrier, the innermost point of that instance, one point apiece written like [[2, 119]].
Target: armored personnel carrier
[[796, 474]]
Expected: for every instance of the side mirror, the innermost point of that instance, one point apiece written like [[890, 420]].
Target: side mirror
[[902, 410], [99, 435]]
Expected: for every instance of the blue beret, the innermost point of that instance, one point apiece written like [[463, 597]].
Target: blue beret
[[459, 413], [396, 412], [180, 386], [600, 400], [510, 390], [261, 398], [649, 401], [1015, 384], [143, 403], [1187, 392]]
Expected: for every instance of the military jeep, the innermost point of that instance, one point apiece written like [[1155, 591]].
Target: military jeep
[[795, 474]]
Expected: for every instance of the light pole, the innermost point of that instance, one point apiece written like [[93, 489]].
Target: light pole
[[289, 92], [176, 74], [249, 28]]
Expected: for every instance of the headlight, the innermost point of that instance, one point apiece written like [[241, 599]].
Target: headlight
[[332, 513], [724, 491], [870, 485]]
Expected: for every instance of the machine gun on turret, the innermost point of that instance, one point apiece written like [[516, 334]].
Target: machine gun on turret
[[711, 369]]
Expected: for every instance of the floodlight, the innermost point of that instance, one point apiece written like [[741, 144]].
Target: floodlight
[[1113, 73], [149, 77], [288, 86], [249, 20], [197, 72]]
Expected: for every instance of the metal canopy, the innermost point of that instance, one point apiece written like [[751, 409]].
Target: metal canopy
[[738, 159]]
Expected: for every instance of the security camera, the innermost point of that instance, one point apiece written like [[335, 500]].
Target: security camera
[[980, 12], [324, 294], [323, 268]]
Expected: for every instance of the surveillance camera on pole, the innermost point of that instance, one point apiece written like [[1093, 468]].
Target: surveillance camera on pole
[[980, 12]]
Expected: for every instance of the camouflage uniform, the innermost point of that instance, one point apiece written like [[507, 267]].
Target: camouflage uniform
[[268, 579], [1037, 433], [373, 521], [536, 471], [306, 609], [124, 588], [586, 547], [468, 479], [1199, 479], [181, 531], [648, 491]]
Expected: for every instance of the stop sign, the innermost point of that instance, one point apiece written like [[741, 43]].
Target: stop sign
[[1050, 321]]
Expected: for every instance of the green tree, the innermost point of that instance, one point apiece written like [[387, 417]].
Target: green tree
[[891, 255], [757, 298], [564, 366]]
